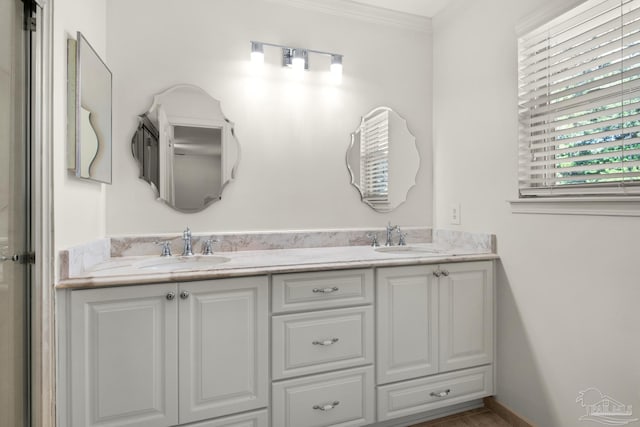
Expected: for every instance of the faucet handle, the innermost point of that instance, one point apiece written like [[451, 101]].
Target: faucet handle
[[374, 239], [401, 240], [206, 246], [166, 247], [186, 234]]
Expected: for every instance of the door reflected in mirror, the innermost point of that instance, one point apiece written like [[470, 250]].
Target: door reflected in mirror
[[383, 159], [186, 148]]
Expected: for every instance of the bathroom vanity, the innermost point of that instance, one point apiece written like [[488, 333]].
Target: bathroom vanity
[[302, 337]]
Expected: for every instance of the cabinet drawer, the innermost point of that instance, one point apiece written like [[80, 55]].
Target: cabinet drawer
[[250, 419], [320, 341], [343, 399], [425, 394], [325, 289]]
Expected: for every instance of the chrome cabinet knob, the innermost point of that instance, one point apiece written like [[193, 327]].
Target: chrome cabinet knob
[[184, 294], [171, 296], [445, 273], [437, 273]]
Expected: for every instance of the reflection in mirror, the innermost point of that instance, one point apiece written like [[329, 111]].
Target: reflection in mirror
[[383, 159], [90, 143], [185, 148], [89, 112]]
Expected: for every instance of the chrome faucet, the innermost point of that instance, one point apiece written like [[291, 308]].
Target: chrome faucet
[[186, 236], [390, 230]]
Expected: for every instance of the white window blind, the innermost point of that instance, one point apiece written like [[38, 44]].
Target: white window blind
[[374, 159], [579, 102]]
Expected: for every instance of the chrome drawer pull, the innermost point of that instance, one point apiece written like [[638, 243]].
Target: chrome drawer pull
[[326, 342], [326, 407], [440, 394], [324, 290]]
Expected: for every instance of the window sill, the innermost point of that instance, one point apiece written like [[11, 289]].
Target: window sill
[[601, 206]]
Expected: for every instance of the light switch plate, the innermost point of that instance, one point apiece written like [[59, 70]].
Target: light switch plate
[[454, 212]]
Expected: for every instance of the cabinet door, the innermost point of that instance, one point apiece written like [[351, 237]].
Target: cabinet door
[[407, 321], [223, 347], [123, 364], [466, 315]]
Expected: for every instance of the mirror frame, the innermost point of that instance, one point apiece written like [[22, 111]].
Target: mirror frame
[[77, 50]]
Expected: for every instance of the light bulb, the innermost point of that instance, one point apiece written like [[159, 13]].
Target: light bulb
[[257, 53], [298, 62], [336, 69], [336, 65]]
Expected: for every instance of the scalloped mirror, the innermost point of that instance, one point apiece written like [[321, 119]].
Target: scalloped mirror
[[383, 159], [186, 148]]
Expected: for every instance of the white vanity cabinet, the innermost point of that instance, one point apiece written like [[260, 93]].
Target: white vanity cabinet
[[331, 348], [431, 320], [168, 354]]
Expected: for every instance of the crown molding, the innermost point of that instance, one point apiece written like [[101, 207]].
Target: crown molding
[[363, 12]]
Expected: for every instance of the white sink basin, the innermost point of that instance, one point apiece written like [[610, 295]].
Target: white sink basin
[[411, 250], [203, 262]]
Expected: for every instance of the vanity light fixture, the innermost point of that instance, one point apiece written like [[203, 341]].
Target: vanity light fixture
[[295, 57]]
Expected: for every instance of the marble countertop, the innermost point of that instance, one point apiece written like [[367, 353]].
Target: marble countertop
[[155, 269]]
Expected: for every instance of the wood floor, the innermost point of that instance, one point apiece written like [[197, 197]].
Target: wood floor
[[481, 417]]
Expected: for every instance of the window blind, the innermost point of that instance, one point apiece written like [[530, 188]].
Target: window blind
[[579, 102], [374, 159]]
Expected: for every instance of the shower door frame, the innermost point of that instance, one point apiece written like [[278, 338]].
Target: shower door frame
[[42, 323]]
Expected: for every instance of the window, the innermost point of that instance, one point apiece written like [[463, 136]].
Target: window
[[579, 102]]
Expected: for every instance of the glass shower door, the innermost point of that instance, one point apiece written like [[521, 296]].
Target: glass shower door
[[14, 307]]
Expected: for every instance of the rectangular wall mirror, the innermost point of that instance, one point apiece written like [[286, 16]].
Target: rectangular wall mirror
[[88, 112]]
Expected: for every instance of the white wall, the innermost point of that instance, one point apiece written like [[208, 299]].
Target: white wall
[[293, 135], [568, 287], [79, 206]]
